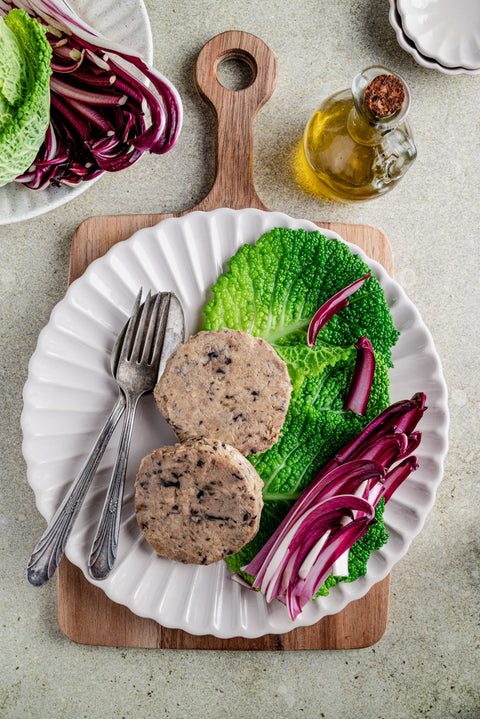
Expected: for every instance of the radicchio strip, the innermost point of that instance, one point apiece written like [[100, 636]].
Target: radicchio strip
[[362, 379], [330, 308], [338, 507], [397, 475], [387, 421]]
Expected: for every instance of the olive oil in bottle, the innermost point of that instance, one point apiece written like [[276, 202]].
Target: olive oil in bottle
[[358, 143]]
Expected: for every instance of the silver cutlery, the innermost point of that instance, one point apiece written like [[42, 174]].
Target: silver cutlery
[[137, 373], [50, 549]]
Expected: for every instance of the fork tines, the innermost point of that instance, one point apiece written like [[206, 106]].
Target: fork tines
[[146, 329]]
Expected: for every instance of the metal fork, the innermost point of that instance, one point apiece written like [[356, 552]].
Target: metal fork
[[49, 550], [137, 373]]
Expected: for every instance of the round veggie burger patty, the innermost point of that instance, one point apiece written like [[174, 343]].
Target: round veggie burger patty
[[197, 501], [228, 385]]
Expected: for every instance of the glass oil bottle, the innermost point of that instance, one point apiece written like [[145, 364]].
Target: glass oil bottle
[[358, 143]]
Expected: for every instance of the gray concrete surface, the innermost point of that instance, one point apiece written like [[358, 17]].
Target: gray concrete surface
[[426, 665]]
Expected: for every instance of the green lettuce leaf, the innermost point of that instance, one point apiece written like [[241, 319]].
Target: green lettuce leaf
[[315, 428], [25, 57], [272, 290]]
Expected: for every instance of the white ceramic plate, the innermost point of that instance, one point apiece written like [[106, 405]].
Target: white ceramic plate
[[69, 391], [410, 47], [446, 30], [125, 22]]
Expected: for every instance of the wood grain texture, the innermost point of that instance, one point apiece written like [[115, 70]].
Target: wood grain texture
[[85, 613], [87, 616], [235, 113], [97, 234]]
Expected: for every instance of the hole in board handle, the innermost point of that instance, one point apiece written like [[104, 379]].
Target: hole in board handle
[[236, 70]]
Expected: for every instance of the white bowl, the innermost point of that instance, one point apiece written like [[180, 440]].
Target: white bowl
[[447, 31], [409, 46]]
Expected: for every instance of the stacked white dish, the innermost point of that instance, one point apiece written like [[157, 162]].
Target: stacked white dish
[[440, 34]]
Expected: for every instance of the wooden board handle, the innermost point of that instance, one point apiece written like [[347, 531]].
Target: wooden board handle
[[235, 111]]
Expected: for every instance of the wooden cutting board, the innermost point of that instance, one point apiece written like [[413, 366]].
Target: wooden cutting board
[[85, 613]]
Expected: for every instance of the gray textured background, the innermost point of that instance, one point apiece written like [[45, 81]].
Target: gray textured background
[[427, 662]]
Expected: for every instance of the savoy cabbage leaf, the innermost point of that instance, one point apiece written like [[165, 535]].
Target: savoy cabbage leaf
[[272, 290], [25, 56]]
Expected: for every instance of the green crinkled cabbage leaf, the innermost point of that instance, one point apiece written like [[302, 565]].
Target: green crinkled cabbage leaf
[[25, 57], [272, 290], [315, 428]]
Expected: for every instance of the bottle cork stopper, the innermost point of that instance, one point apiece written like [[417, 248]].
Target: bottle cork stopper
[[384, 95]]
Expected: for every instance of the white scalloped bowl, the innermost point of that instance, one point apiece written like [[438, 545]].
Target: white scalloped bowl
[[447, 31], [409, 46], [127, 23], [69, 392]]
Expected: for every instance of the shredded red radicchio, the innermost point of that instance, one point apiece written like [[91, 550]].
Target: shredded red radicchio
[[338, 507], [103, 116]]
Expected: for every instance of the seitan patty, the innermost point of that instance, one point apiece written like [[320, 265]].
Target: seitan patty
[[227, 385], [197, 501]]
